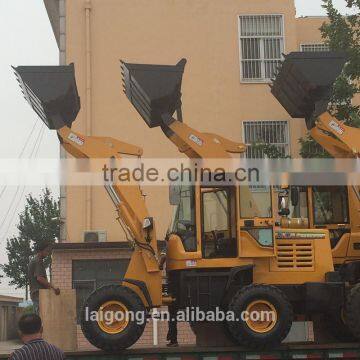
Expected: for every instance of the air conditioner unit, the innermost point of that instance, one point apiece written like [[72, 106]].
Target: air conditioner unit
[[94, 236]]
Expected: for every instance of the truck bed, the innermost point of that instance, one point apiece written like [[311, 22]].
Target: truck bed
[[286, 352]]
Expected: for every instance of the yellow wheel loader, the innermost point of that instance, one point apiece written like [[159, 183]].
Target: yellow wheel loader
[[222, 251], [52, 93], [303, 86]]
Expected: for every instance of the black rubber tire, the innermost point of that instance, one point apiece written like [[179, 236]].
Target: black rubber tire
[[333, 323], [113, 342], [242, 333], [352, 311]]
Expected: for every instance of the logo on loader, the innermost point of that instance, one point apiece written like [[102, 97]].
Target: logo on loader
[[76, 139], [191, 263], [335, 126], [195, 139]]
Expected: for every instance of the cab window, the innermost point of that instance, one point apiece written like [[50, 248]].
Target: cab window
[[184, 219], [255, 201], [218, 222], [330, 205]]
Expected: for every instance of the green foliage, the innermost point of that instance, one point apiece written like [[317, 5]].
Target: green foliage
[[28, 310], [271, 151], [341, 33], [311, 149], [18, 252], [38, 223]]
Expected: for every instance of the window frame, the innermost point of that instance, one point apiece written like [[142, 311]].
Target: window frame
[[288, 144], [262, 80], [313, 44]]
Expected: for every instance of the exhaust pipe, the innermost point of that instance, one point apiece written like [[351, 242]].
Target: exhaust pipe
[[52, 93], [154, 90], [304, 83]]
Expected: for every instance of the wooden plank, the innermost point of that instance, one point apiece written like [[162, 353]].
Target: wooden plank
[[3, 336], [58, 314]]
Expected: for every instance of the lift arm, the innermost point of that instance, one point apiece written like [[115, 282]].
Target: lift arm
[[200, 145], [128, 199], [52, 93], [303, 86], [155, 92], [347, 142]]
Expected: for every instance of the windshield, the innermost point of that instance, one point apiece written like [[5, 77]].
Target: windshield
[[330, 205], [218, 222], [183, 223], [255, 201]]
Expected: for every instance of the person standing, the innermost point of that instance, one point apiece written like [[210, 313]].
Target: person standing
[[37, 274], [35, 348], [172, 335]]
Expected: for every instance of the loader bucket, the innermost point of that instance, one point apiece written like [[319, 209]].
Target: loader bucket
[[304, 82], [52, 93], [154, 90]]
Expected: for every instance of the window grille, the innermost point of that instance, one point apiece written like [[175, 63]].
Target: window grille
[[314, 47], [261, 46], [265, 132]]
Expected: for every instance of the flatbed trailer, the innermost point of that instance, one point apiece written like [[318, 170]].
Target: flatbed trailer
[[285, 352]]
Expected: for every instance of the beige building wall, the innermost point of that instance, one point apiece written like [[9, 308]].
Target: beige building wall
[[100, 32], [307, 30]]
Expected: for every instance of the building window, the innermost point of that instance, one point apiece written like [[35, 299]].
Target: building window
[[88, 275], [265, 132], [314, 47], [261, 46]]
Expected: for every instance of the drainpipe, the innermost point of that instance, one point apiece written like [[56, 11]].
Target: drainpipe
[[62, 61], [88, 124], [155, 322]]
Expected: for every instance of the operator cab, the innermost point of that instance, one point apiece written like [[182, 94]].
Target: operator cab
[[224, 214], [324, 207]]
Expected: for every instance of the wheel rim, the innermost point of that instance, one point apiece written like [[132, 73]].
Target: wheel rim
[[261, 316], [113, 317]]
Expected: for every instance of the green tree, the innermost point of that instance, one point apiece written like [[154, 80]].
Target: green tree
[[311, 149], [38, 223], [18, 252], [340, 33]]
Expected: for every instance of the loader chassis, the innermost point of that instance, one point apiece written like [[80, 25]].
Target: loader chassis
[[208, 289]]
